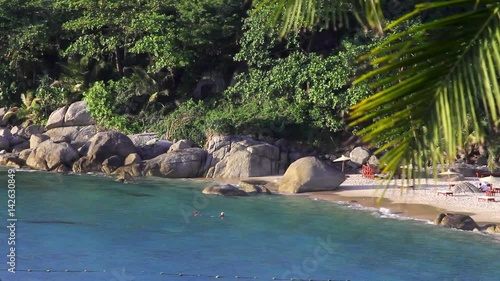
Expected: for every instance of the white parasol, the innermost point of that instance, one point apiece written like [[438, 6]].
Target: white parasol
[[449, 173], [342, 159], [490, 179]]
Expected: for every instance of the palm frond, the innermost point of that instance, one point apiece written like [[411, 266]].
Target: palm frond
[[10, 113], [441, 75], [293, 15]]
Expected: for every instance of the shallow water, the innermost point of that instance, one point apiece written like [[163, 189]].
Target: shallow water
[[125, 232]]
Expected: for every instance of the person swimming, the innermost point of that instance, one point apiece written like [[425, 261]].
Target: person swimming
[[221, 215], [195, 213]]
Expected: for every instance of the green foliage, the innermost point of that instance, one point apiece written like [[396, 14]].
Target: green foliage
[[309, 90], [36, 106], [104, 108]]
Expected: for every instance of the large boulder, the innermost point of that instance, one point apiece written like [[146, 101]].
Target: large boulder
[[129, 171], [20, 147], [4, 143], [224, 190], [49, 155], [310, 174], [237, 157], [78, 115], [151, 151], [85, 165], [491, 229], [11, 160], [458, 221], [465, 170], [76, 135], [5, 133], [106, 144], [185, 163], [56, 118], [132, 159], [111, 164], [15, 140], [25, 154], [37, 139], [359, 156], [141, 140], [26, 132], [182, 144], [253, 187]]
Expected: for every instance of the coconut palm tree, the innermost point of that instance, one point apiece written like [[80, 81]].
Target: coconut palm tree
[[439, 78]]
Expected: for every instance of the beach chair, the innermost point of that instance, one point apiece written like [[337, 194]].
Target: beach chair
[[486, 198], [445, 193], [367, 171]]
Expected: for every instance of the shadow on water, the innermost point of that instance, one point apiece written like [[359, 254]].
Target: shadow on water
[[56, 222]]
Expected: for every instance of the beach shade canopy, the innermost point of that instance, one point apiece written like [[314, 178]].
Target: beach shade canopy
[[490, 179], [448, 173], [342, 159]]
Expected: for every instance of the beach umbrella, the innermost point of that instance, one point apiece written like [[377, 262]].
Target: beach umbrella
[[490, 179], [449, 173], [342, 159]]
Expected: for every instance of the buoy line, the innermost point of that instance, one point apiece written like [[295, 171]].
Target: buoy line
[[169, 274]]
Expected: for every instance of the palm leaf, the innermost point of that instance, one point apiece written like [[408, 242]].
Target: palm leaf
[[11, 112], [293, 15], [439, 76]]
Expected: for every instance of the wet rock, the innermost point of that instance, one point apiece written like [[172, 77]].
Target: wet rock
[[224, 190], [111, 164], [458, 221]]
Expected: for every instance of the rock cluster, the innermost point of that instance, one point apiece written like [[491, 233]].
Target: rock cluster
[[464, 222], [71, 142]]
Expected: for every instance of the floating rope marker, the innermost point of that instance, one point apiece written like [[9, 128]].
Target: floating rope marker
[[239, 277]]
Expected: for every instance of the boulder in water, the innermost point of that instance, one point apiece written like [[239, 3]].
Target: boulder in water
[[224, 190], [458, 221]]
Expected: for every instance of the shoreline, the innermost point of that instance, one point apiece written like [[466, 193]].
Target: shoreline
[[422, 203]]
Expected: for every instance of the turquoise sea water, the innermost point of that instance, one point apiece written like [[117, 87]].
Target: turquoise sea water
[[131, 232]]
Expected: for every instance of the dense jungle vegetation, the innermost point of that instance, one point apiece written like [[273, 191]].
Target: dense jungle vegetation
[[181, 67]]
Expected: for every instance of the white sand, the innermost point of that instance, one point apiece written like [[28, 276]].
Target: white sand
[[408, 201], [424, 193]]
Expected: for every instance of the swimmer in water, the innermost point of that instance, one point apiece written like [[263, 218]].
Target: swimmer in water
[[195, 213], [221, 215]]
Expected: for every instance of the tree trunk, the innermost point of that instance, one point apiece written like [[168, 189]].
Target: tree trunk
[[119, 67]]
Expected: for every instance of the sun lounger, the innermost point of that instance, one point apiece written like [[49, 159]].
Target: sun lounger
[[445, 192], [486, 198]]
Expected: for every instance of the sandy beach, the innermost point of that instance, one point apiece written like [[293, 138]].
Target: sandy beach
[[422, 202]]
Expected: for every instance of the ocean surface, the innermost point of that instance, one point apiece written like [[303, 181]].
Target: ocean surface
[[93, 228]]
